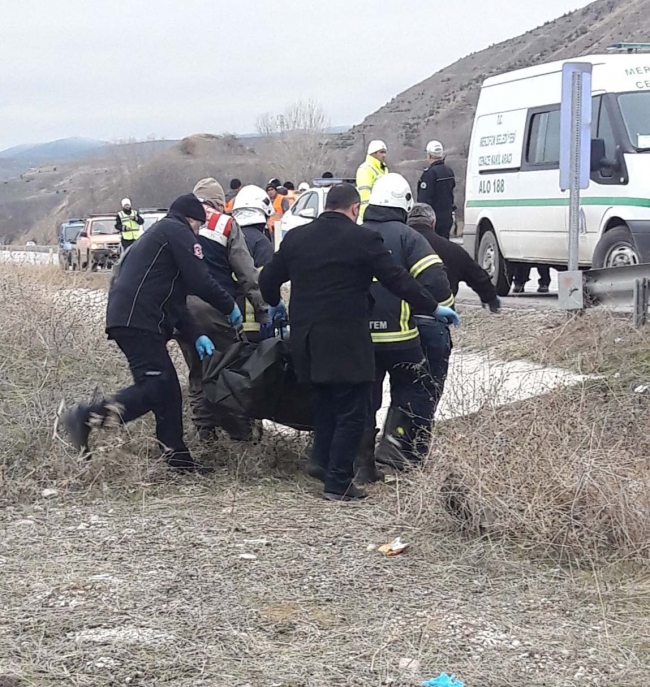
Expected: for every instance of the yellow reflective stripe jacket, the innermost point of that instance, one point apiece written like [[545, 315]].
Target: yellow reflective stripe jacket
[[367, 175], [130, 228]]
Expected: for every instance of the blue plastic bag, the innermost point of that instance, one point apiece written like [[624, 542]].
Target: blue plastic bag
[[443, 680]]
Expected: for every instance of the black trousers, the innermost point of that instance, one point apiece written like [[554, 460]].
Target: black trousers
[[126, 243], [522, 275], [410, 390], [340, 417], [444, 227], [436, 344], [156, 389]]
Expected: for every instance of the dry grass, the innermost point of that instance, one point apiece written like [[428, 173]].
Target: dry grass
[[129, 575]]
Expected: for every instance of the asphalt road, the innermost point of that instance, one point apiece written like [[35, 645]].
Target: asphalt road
[[529, 299]]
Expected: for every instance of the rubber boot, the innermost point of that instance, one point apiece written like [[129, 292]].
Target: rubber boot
[[392, 449], [365, 468]]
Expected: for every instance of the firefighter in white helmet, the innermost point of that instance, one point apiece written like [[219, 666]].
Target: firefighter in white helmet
[[128, 222], [369, 171], [252, 210], [394, 332], [436, 188]]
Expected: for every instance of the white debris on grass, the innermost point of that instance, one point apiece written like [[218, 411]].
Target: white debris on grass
[[119, 635]]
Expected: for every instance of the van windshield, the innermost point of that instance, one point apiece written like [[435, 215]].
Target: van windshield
[[635, 108]]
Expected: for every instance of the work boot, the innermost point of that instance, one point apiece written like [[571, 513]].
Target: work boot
[[365, 468], [76, 424], [519, 288], [543, 288], [392, 449], [182, 461], [316, 471], [350, 493]]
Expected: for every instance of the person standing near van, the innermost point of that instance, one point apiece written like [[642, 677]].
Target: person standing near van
[[128, 223], [369, 171], [436, 188]]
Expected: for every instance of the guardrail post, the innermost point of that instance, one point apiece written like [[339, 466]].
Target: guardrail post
[[640, 313]]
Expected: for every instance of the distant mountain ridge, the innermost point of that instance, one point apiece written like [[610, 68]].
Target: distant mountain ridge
[[53, 151]]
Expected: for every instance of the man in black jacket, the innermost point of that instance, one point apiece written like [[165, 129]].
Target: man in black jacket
[[436, 339], [331, 263], [436, 188], [146, 302], [398, 349]]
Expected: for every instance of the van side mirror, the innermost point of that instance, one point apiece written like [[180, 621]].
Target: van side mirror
[[82, 235], [597, 154]]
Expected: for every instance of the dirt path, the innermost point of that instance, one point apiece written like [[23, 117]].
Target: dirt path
[[210, 582]]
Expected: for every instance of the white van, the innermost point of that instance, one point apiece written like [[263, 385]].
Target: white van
[[515, 212]]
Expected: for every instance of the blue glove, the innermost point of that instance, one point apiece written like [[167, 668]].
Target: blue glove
[[447, 315], [204, 346], [443, 680], [278, 312], [235, 318]]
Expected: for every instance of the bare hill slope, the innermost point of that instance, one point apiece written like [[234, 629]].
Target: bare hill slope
[[443, 105]]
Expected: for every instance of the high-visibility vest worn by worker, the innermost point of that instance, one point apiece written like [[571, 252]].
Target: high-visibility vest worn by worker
[[367, 175], [130, 227], [392, 324]]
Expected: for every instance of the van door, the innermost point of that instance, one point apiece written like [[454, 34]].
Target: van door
[[544, 207], [605, 181]]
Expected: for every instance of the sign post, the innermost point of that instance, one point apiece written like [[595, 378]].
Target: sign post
[[575, 166]]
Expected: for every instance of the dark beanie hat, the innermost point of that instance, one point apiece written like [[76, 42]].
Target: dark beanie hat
[[189, 206]]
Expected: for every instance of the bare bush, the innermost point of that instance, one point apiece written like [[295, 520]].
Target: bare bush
[[295, 144]]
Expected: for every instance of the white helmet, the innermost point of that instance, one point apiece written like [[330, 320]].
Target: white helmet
[[435, 149], [303, 186], [126, 202], [392, 191], [252, 206], [376, 146]]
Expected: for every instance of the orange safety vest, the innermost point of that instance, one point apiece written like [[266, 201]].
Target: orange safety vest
[[229, 205], [277, 211]]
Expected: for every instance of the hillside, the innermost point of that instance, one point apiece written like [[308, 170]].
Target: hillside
[[443, 105]]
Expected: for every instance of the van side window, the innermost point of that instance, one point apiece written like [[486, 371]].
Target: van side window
[[544, 139]]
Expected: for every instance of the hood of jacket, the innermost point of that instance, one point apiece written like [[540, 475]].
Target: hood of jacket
[[379, 213], [211, 190]]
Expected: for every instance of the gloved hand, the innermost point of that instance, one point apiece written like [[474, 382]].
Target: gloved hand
[[447, 315], [235, 318], [495, 305], [278, 312], [204, 346]]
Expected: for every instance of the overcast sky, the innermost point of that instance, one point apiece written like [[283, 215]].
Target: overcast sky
[[113, 69]]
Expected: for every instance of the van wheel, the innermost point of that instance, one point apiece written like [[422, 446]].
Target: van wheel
[[491, 260], [616, 249]]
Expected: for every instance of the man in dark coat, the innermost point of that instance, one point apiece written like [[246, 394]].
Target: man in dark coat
[[436, 188], [147, 301], [331, 264]]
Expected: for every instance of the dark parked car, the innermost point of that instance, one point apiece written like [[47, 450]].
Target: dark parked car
[[66, 237]]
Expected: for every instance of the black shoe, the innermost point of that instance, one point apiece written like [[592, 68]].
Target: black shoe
[[184, 463], [206, 434], [543, 289], [316, 471], [519, 288], [365, 468], [76, 424], [352, 493]]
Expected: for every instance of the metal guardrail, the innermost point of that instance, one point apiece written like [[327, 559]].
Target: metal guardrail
[[621, 287], [31, 249]]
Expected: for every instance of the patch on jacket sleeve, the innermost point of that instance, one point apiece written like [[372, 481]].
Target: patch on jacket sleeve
[[198, 251], [423, 184]]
